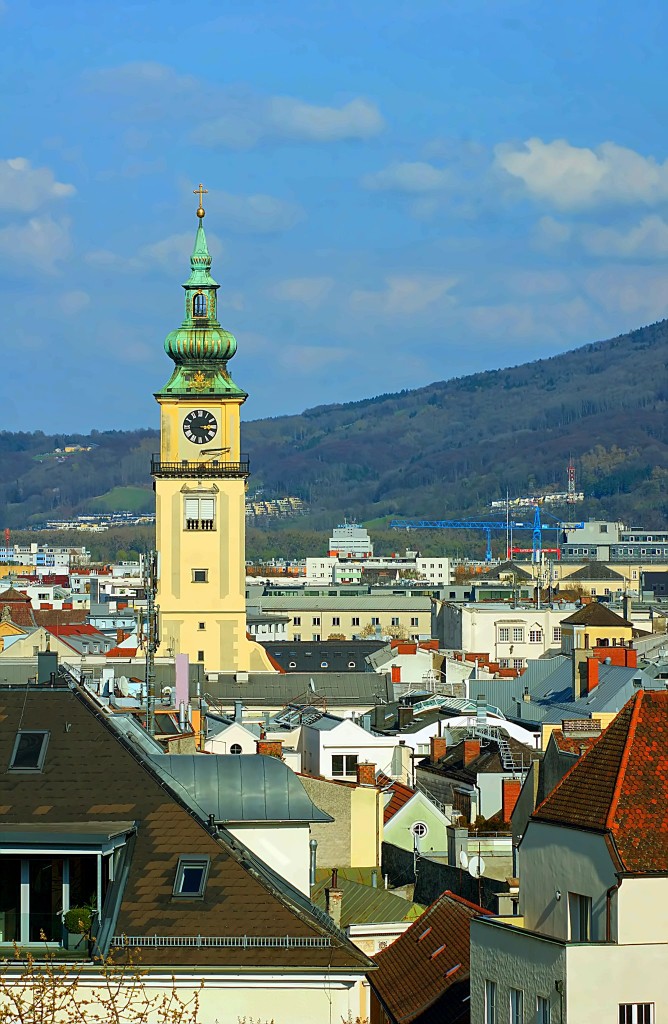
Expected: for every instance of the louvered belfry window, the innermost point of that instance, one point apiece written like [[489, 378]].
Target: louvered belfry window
[[200, 513]]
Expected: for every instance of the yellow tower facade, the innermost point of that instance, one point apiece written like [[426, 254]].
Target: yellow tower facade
[[200, 478]]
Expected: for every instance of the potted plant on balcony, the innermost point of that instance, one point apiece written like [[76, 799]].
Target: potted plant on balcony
[[78, 922]]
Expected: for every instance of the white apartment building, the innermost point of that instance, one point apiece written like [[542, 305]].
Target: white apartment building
[[333, 569], [510, 636]]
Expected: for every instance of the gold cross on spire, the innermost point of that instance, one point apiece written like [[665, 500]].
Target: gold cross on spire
[[201, 191]]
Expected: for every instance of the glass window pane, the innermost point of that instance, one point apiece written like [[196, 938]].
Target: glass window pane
[[46, 899], [10, 899], [29, 751]]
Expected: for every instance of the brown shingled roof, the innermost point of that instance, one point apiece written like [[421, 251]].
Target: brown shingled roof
[[424, 974], [620, 786], [90, 774], [595, 614], [19, 605], [400, 795]]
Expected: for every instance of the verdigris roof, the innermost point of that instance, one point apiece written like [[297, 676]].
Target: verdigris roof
[[239, 787], [364, 904]]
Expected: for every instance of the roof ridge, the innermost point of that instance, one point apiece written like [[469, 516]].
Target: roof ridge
[[623, 764], [570, 771], [467, 903]]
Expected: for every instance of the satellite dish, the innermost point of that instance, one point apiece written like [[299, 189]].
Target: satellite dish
[[124, 686], [476, 867], [463, 860]]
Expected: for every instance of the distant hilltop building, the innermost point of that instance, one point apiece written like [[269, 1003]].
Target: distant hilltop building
[[275, 508], [557, 498], [350, 541]]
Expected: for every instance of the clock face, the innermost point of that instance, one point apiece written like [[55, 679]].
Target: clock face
[[200, 426]]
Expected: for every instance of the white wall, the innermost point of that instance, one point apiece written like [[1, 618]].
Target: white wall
[[283, 846]]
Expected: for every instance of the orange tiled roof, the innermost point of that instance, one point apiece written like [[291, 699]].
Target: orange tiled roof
[[620, 785], [401, 794], [573, 744]]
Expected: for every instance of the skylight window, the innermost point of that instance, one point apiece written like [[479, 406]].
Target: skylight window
[[191, 875], [29, 751]]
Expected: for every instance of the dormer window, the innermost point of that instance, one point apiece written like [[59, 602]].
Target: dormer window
[[199, 304], [191, 875], [29, 751]]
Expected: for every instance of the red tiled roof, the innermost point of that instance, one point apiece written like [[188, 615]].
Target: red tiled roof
[[427, 967], [620, 785], [54, 618], [19, 605], [400, 795], [74, 629], [573, 744], [122, 652]]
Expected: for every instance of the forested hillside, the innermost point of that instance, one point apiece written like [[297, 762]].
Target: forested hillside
[[443, 450]]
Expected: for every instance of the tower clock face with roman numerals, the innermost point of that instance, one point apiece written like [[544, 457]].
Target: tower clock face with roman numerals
[[200, 426]]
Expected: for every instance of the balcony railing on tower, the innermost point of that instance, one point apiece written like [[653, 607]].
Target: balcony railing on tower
[[209, 468]]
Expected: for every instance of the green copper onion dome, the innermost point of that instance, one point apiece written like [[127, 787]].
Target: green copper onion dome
[[200, 347]]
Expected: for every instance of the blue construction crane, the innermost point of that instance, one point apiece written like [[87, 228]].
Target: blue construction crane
[[487, 526]]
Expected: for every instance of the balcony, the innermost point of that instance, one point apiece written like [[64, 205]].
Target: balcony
[[199, 524], [211, 469]]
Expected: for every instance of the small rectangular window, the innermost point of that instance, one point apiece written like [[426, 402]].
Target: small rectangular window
[[490, 1002], [504, 634], [579, 915], [297, 620], [516, 1006], [336, 620], [518, 634], [375, 621], [316, 620], [200, 655], [29, 751], [636, 1013], [395, 620], [200, 575], [542, 1010], [191, 876], [201, 625], [355, 620], [344, 764]]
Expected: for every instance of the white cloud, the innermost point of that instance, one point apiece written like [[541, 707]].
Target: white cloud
[[73, 302], [639, 293], [417, 177], [247, 121], [169, 254], [403, 295], [42, 242], [307, 291], [577, 178], [254, 214], [26, 188], [646, 240]]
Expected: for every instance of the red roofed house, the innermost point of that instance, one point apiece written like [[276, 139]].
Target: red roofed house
[[423, 976], [591, 940]]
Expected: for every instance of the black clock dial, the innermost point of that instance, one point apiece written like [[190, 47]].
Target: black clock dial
[[200, 426]]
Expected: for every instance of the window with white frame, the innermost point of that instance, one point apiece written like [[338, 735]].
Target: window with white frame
[[518, 663], [542, 1010], [415, 621], [199, 513], [556, 634], [579, 917], [516, 1006], [518, 634], [535, 636], [636, 1013], [490, 1002], [504, 634], [344, 764]]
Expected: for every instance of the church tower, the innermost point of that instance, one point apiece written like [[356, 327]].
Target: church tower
[[200, 480]]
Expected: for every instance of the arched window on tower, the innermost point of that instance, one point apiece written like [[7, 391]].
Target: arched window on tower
[[199, 304]]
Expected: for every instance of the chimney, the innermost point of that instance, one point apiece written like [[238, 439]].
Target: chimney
[[405, 715], [510, 791], [438, 748], [238, 710], [396, 673], [579, 657], [366, 773], [313, 850], [271, 748], [626, 606], [592, 673], [458, 840], [471, 751], [333, 899]]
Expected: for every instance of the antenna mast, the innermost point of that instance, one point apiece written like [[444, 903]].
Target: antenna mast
[[570, 499], [151, 637]]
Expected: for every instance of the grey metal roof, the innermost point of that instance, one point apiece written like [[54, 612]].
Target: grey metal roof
[[239, 787], [593, 571], [264, 689], [334, 655]]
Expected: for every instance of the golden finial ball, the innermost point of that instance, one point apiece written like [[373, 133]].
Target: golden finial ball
[[200, 212]]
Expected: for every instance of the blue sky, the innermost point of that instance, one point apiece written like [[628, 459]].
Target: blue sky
[[399, 192]]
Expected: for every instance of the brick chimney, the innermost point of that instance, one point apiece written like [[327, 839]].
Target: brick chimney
[[404, 715], [592, 673], [396, 673], [366, 773], [438, 748], [334, 899], [510, 791], [471, 751], [271, 748]]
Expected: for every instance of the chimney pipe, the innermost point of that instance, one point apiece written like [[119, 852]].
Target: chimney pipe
[[313, 846]]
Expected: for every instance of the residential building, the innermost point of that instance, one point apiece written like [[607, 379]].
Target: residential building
[[411, 820], [354, 838], [511, 636], [334, 747], [424, 976], [594, 625], [371, 916], [167, 880], [596, 579], [350, 541], [590, 941]]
